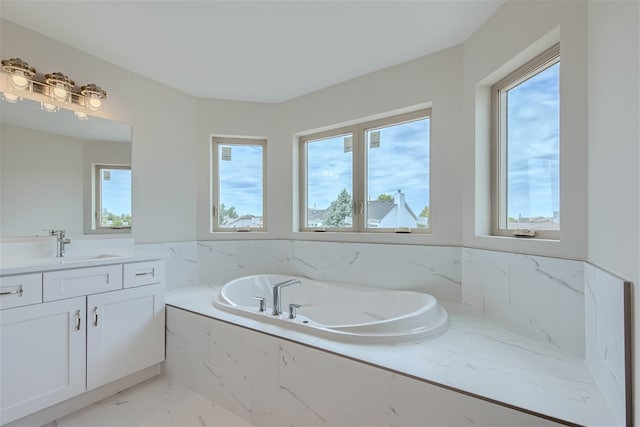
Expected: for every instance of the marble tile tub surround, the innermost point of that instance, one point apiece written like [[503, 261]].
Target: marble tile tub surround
[[433, 269], [270, 375], [541, 296], [607, 336]]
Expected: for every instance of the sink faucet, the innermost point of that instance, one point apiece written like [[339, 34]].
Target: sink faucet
[[61, 241], [277, 294]]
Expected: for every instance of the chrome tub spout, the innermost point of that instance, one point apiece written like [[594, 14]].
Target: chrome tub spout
[[277, 294]]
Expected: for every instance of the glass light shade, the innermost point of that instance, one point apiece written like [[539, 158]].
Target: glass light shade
[[49, 108], [60, 93], [18, 82], [59, 87], [94, 97], [10, 97], [19, 75], [93, 103], [80, 115]]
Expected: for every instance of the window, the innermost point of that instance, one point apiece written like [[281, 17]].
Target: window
[[526, 145], [238, 195], [112, 197], [370, 177]]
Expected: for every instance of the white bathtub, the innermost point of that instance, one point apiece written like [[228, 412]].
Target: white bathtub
[[338, 310]]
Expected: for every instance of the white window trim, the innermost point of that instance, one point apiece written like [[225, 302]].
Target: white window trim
[[359, 166], [536, 65], [215, 182], [97, 200]]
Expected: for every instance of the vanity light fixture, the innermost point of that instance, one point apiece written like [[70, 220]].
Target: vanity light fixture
[[53, 91]]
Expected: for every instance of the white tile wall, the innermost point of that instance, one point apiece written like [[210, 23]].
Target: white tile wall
[[604, 323], [540, 296]]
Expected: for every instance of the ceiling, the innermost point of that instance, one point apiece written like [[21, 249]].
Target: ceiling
[[265, 51]]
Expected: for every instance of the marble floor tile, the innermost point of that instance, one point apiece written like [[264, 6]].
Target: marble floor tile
[[156, 402]]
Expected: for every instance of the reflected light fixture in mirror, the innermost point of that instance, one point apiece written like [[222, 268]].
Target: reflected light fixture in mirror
[[53, 91]]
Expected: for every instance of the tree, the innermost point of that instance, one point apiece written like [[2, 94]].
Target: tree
[[339, 210], [384, 197], [226, 214], [424, 213]]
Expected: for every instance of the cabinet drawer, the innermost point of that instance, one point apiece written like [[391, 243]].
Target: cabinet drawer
[[81, 281], [23, 289], [143, 273]]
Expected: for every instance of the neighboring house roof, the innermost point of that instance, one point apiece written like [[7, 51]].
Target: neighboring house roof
[[317, 215], [378, 209]]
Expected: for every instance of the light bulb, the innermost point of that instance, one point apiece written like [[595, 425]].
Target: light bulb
[[81, 116], [94, 103], [20, 82], [60, 93], [49, 108]]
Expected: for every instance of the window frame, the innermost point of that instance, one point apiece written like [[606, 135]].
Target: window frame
[[216, 141], [97, 198], [359, 172], [499, 141]]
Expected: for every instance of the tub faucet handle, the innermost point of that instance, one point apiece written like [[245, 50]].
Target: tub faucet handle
[[262, 303], [292, 310]]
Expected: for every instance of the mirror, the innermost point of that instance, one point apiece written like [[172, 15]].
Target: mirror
[[48, 171]]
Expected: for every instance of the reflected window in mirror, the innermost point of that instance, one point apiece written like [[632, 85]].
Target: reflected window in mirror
[[112, 198]]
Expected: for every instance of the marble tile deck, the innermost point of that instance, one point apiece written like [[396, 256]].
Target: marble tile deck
[[474, 355], [156, 402]]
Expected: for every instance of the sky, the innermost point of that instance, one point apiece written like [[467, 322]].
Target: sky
[[533, 151], [241, 179], [399, 163], [116, 192]]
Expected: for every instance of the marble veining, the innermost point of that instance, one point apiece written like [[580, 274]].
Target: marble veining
[[540, 296], [157, 402], [605, 328], [475, 355]]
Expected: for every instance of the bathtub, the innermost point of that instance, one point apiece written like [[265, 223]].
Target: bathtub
[[338, 311]]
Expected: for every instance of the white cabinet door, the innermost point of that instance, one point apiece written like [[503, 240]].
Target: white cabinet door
[[42, 356], [125, 333]]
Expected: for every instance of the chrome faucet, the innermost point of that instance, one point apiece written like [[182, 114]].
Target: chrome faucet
[[61, 241], [277, 294]]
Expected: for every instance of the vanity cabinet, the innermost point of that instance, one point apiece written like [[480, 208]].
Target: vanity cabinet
[[42, 356], [125, 333], [68, 342]]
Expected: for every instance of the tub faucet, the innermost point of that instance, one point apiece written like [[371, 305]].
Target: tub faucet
[[277, 294], [61, 241]]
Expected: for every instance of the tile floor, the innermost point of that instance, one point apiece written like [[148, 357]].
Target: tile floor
[[156, 402]]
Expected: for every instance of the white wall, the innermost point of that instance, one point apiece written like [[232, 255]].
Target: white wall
[[515, 27], [163, 122], [40, 182], [614, 153]]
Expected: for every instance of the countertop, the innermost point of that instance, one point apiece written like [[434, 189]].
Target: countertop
[[35, 265]]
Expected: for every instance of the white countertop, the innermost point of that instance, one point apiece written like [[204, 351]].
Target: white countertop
[[473, 355], [35, 265]]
